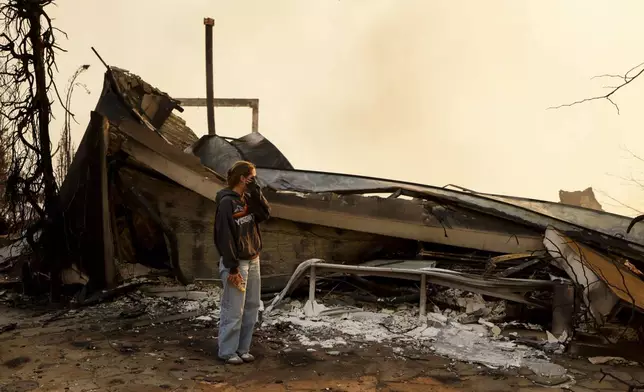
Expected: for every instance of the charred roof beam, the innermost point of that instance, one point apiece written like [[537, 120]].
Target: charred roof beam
[[252, 103]]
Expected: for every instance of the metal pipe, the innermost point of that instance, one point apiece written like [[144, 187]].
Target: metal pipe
[[503, 288], [423, 297], [210, 89], [312, 282]]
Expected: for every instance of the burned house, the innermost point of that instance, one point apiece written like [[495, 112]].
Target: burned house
[[138, 200]]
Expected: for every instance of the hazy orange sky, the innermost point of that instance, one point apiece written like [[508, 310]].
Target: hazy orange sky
[[428, 91]]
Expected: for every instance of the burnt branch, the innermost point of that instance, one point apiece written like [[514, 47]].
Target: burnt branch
[[65, 147], [619, 202], [626, 79]]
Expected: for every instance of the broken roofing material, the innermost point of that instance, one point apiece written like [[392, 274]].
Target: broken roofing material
[[319, 202], [570, 257], [598, 228], [277, 173], [604, 279], [585, 198]]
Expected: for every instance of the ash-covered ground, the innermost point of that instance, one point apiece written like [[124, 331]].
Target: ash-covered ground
[[155, 341]]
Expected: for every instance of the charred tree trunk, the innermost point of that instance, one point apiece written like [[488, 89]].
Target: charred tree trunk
[[43, 106], [28, 47]]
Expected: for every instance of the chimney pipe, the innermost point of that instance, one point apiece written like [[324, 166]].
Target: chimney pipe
[[210, 98]]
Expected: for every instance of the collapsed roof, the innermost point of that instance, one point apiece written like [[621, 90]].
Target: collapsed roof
[[151, 186]]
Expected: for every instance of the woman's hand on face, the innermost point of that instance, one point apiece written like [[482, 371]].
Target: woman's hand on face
[[252, 186]]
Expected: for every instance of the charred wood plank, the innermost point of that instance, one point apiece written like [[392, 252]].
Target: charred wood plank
[[84, 203], [518, 268]]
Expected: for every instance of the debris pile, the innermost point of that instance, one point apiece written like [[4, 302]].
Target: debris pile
[[138, 306], [336, 328]]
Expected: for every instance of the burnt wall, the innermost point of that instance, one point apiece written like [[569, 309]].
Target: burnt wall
[[286, 243]]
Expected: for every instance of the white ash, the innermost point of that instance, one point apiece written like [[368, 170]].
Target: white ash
[[328, 343], [152, 306], [437, 332]]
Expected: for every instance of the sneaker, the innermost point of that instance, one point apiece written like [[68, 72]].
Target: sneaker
[[234, 360], [248, 357]]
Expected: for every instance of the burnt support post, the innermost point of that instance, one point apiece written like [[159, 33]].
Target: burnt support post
[[210, 89], [563, 309], [106, 219], [85, 208], [255, 123]]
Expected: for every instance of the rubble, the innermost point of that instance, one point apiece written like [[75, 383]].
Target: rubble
[[597, 295], [437, 334]]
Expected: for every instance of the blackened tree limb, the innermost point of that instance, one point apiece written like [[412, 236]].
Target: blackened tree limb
[[627, 78], [65, 147]]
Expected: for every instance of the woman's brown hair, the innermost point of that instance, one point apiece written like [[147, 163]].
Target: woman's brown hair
[[235, 173]]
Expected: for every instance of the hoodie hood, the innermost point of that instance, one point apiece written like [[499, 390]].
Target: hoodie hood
[[226, 192]]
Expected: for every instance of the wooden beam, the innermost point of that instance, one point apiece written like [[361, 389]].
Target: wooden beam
[[84, 203], [106, 217], [220, 102], [518, 268], [252, 103]]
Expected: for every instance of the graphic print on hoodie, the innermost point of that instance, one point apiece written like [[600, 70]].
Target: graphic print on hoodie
[[237, 219]]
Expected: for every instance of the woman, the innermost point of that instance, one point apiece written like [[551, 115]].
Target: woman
[[240, 208]]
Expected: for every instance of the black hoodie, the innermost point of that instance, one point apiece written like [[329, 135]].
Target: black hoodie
[[237, 219]]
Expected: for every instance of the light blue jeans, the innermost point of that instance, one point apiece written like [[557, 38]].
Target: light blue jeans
[[239, 310]]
